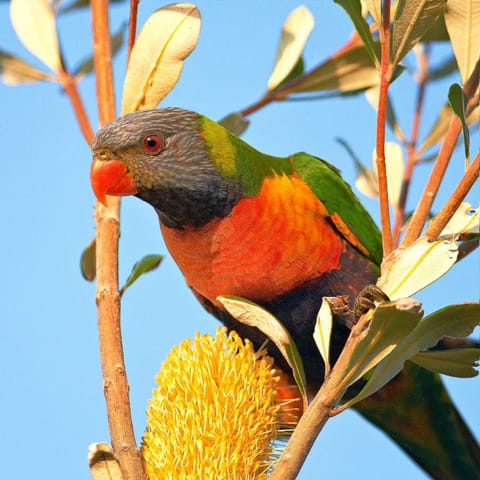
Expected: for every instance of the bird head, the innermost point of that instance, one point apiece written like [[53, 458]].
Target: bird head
[[161, 157]]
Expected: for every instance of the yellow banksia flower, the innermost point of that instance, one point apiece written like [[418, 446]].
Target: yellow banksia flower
[[214, 413]]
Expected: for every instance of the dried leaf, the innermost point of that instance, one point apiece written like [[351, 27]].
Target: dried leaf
[[14, 70], [458, 362], [411, 269], [145, 265], [323, 331], [235, 123], [453, 321], [351, 70], [88, 261], [295, 32], [374, 7], [103, 464], [253, 315], [354, 10], [156, 61], [413, 18], [462, 18], [34, 23]]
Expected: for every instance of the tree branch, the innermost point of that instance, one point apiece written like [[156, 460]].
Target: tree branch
[[115, 382]]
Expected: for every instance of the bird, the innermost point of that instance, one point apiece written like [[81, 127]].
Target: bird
[[283, 232]]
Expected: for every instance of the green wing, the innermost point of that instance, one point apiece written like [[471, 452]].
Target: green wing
[[347, 213]]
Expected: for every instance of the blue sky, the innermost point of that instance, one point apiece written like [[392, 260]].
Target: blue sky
[[51, 399]]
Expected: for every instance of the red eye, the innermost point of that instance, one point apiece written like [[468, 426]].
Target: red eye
[[152, 143]]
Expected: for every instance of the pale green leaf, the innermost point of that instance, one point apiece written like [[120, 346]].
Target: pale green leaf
[[374, 7], [88, 261], [458, 101], [253, 315], [453, 321], [146, 264], [458, 362], [465, 219], [167, 38], [462, 18], [389, 325], [322, 332], [354, 11], [34, 23], [102, 462], [14, 70], [411, 269], [295, 32], [351, 70], [235, 123], [413, 18]]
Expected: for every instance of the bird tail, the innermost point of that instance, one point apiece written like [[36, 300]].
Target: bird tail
[[416, 412]]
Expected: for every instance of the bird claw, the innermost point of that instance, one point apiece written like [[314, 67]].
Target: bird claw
[[366, 299]]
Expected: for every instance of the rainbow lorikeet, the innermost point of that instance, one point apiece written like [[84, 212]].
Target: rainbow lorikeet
[[282, 232]]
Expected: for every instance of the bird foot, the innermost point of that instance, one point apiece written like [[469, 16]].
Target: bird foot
[[366, 299]]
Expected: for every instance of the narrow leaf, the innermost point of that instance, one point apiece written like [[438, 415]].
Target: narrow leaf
[[14, 70], [146, 264], [458, 362], [253, 315], [235, 123], [323, 331], [295, 32], [103, 464], [465, 219], [374, 7], [411, 269], [390, 324], [34, 23], [412, 20], [458, 102], [462, 18], [354, 11], [351, 70], [156, 61], [88, 261], [454, 321]]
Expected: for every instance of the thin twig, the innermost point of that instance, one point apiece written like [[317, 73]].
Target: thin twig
[[440, 220], [421, 213], [115, 382], [132, 26], [385, 76], [412, 154], [69, 84]]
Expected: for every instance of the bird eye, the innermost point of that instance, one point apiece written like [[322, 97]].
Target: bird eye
[[152, 143]]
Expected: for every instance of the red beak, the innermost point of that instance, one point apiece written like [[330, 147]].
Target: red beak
[[111, 177]]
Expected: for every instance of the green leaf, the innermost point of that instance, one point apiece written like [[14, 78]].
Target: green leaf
[[453, 321], [389, 325], [102, 462], [438, 31], [167, 38], [458, 362], [295, 32], [34, 23], [354, 11], [462, 18], [351, 70], [458, 101], [14, 70], [116, 43], [323, 331], [235, 122], [253, 315], [296, 71], [88, 261], [146, 264], [412, 20], [408, 270]]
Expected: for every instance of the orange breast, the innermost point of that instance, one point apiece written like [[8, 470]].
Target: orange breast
[[267, 246]]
